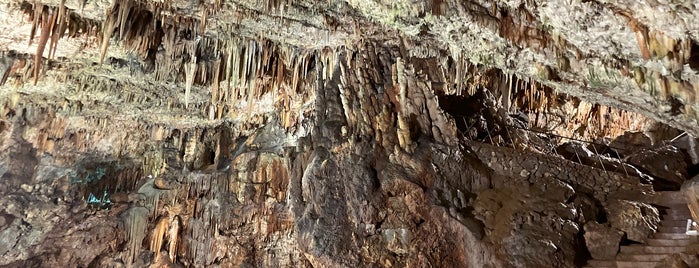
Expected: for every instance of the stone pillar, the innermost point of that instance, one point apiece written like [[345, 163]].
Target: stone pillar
[[690, 190]]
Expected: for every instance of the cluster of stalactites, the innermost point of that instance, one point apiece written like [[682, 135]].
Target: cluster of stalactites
[[140, 25], [53, 23], [234, 69], [529, 95], [466, 77], [512, 91], [276, 5]]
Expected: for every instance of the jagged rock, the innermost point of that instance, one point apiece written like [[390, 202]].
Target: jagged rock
[[630, 143], [602, 241], [588, 207], [637, 220], [510, 222], [578, 153], [666, 163]]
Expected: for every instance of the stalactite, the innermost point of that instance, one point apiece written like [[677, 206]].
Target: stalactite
[[173, 237], [123, 16], [161, 227], [190, 71], [136, 220], [36, 19], [46, 18], [58, 29], [215, 90], [107, 31]]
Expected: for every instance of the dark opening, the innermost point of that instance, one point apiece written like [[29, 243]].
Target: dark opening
[[694, 56]]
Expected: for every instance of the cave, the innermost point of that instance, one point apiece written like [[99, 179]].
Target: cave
[[349, 133]]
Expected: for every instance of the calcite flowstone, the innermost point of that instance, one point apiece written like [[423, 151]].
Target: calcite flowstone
[[602, 241]]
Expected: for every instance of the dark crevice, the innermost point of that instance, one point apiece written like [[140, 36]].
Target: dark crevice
[[694, 56]]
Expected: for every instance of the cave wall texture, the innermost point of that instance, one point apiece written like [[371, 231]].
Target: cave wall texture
[[295, 133]]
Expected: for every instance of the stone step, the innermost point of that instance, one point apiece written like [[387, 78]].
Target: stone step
[[643, 249], [674, 223], [680, 208], [683, 209], [675, 217], [670, 236], [636, 264], [676, 212], [642, 257], [668, 242], [669, 198], [672, 230], [600, 263]]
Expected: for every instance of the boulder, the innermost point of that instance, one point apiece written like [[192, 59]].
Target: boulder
[[602, 241], [631, 142], [666, 163], [637, 220]]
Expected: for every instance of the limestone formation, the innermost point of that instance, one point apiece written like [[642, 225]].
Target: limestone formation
[[342, 133]]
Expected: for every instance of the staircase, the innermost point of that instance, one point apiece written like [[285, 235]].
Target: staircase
[[669, 239]]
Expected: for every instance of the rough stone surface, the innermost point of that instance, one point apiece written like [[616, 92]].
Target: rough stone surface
[[637, 220], [667, 163], [602, 241], [358, 133]]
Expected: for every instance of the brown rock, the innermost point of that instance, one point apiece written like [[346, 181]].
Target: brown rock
[[602, 241], [637, 220], [165, 182], [666, 164], [631, 142]]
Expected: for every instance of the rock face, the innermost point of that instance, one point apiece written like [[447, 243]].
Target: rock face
[[637, 220], [355, 133], [666, 163], [602, 241]]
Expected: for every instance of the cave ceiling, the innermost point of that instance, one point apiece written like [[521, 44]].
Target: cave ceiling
[[636, 55]]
